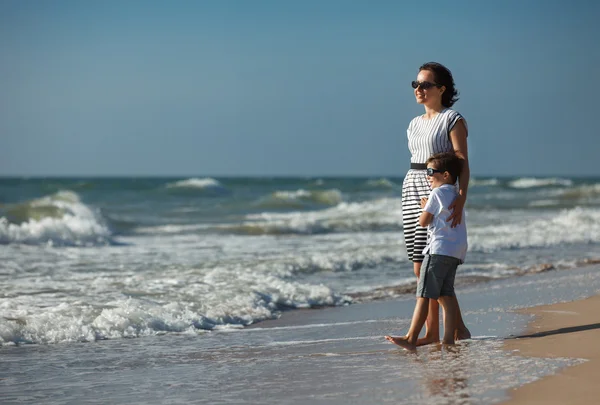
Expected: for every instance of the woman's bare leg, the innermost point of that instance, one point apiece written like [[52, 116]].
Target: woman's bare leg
[[462, 332]]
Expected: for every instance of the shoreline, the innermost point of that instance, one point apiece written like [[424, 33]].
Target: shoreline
[[564, 330], [333, 356]]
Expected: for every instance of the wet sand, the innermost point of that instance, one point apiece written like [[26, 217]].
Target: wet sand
[[562, 330]]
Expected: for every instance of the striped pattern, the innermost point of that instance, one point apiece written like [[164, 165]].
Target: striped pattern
[[425, 137], [414, 187], [429, 136]]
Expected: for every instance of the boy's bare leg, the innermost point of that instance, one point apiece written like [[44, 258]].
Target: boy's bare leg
[[461, 332], [432, 326], [450, 318], [409, 341]]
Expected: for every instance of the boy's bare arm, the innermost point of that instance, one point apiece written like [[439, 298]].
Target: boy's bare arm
[[425, 218]]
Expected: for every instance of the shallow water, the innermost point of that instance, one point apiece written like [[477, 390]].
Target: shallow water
[[332, 355]]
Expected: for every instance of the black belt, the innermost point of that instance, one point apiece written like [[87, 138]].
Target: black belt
[[418, 166]]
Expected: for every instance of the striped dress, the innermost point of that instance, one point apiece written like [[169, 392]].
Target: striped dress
[[425, 137]]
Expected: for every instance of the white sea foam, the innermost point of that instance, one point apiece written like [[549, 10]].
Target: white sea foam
[[170, 229], [382, 214], [75, 322], [199, 285], [544, 203], [583, 194], [487, 270], [381, 183], [301, 198], [530, 182], [164, 300], [331, 340], [474, 182], [196, 183], [576, 225], [57, 219], [218, 306], [312, 325]]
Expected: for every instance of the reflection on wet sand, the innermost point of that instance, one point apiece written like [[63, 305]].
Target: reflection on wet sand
[[445, 369]]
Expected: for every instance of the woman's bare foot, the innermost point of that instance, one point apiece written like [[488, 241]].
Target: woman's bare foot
[[402, 341], [462, 334], [427, 341]]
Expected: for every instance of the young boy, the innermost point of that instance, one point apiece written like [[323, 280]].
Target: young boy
[[446, 249]]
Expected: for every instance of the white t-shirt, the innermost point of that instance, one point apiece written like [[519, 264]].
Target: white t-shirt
[[441, 238]]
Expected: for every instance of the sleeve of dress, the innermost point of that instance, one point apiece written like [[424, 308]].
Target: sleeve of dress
[[453, 118]]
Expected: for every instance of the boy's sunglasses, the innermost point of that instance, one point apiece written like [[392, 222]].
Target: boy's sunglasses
[[424, 85], [431, 171]]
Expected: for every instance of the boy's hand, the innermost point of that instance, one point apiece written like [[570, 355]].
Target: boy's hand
[[423, 202]]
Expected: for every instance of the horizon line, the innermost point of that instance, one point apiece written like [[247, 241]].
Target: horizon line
[[99, 176]]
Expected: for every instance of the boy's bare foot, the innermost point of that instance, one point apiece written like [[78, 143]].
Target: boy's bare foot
[[402, 342], [427, 341], [462, 334]]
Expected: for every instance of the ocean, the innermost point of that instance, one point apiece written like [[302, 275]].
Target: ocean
[[104, 258], [201, 272]]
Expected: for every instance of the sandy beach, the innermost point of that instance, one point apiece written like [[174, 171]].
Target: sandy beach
[[562, 330]]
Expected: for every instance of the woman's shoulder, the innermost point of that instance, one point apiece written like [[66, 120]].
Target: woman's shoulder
[[452, 114], [414, 121], [452, 117]]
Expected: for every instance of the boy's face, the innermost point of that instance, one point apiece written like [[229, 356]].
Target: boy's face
[[436, 179]]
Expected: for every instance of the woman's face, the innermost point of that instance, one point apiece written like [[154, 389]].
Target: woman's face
[[433, 95]]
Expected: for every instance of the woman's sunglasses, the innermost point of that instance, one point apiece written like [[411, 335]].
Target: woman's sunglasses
[[431, 171], [424, 85]]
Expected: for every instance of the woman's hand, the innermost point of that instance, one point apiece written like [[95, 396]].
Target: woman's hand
[[423, 202], [458, 136], [457, 210]]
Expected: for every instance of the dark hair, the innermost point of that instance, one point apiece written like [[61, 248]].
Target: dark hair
[[449, 162], [443, 77]]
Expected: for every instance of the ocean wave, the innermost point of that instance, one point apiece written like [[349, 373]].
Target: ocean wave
[[376, 215], [474, 182], [368, 252], [223, 298], [170, 229], [569, 226], [206, 184], [57, 219], [381, 183], [301, 199], [544, 203], [531, 182], [212, 293], [583, 192]]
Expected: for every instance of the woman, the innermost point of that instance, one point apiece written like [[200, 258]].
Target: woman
[[440, 129]]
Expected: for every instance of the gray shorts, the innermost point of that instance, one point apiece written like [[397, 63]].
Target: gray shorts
[[437, 276]]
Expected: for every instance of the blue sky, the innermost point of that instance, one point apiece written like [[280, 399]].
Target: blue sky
[[197, 88]]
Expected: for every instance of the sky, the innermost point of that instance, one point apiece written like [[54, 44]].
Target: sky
[[291, 88]]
